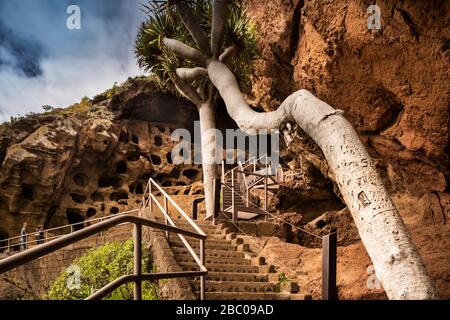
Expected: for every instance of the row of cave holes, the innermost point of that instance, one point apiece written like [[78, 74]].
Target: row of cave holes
[[74, 216], [125, 137], [82, 180]]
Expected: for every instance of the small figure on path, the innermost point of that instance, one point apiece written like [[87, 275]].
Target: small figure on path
[[39, 235], [23, 237]]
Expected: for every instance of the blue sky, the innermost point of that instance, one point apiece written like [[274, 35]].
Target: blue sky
[[42, 62]]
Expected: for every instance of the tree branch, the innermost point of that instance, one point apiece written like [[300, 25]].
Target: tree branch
[[191, 74], [193, 27], [185, 51], [219, 20], [186, 90], [228, 54]]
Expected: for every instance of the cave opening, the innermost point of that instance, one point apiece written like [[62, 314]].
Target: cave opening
[[81, 179], [91, 212], [3, 243], [156, 160], [175, 173], [122, 167], [139, 188], [158, 141], [124, 137], [97, 197], [134, 157], [78, 198], [74, 216], [114, 210], [27, 192], [169, 158], [190, 173], [109, 181], [119, 195]]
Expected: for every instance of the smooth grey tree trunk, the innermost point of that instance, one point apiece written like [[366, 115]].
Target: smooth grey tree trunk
[[396, 260], [208, 143]]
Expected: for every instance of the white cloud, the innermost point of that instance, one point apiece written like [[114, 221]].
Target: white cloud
[[74, 64]]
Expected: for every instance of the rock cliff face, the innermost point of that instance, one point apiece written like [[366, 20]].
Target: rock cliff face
[[392, 83], [393, 86], [62, 167]]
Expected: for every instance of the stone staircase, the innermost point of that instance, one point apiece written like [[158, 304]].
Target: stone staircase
[[234, 272], [228, 194]]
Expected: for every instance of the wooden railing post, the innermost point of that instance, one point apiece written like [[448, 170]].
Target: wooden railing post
[[138, 261], [329, 247]]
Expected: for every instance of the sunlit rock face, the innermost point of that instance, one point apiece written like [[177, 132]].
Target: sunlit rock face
[[392, 83]]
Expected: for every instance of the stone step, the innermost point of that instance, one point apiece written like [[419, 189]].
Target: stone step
[[183, 224], [237, 276], [209, 245], [212, 253], [244, 296], [210, 240], [188, 266], [213, 260], [235, 286]]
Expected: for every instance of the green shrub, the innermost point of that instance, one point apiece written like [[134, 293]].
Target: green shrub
[[101, 266]]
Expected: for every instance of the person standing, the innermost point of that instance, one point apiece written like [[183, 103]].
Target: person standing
[[39, 235], [23, 237]]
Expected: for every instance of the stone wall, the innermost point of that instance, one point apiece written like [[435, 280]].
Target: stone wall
[[32, 280], [164, 259]]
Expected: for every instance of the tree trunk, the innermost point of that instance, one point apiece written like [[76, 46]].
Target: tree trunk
[[207, 128], [396, 260]]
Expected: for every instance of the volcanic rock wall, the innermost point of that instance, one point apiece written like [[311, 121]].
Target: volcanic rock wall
[[392, 83], [60, 168]]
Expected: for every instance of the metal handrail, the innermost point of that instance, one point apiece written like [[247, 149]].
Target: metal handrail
[[176, 206], [103, 292], [51, 246], [47, 231], [40, 251], [168, 220]]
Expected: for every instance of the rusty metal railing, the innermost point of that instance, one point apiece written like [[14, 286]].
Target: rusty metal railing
[[137, 277], [51, 234]]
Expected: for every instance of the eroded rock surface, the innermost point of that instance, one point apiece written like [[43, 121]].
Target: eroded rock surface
[[60, 169]]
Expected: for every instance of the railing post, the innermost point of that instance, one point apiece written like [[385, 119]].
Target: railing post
[[233, 205], [265, 192], [217, 189], [138, 261], [166, 213], [329, 288], [202, 278], [223, 171], [150, 196]]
